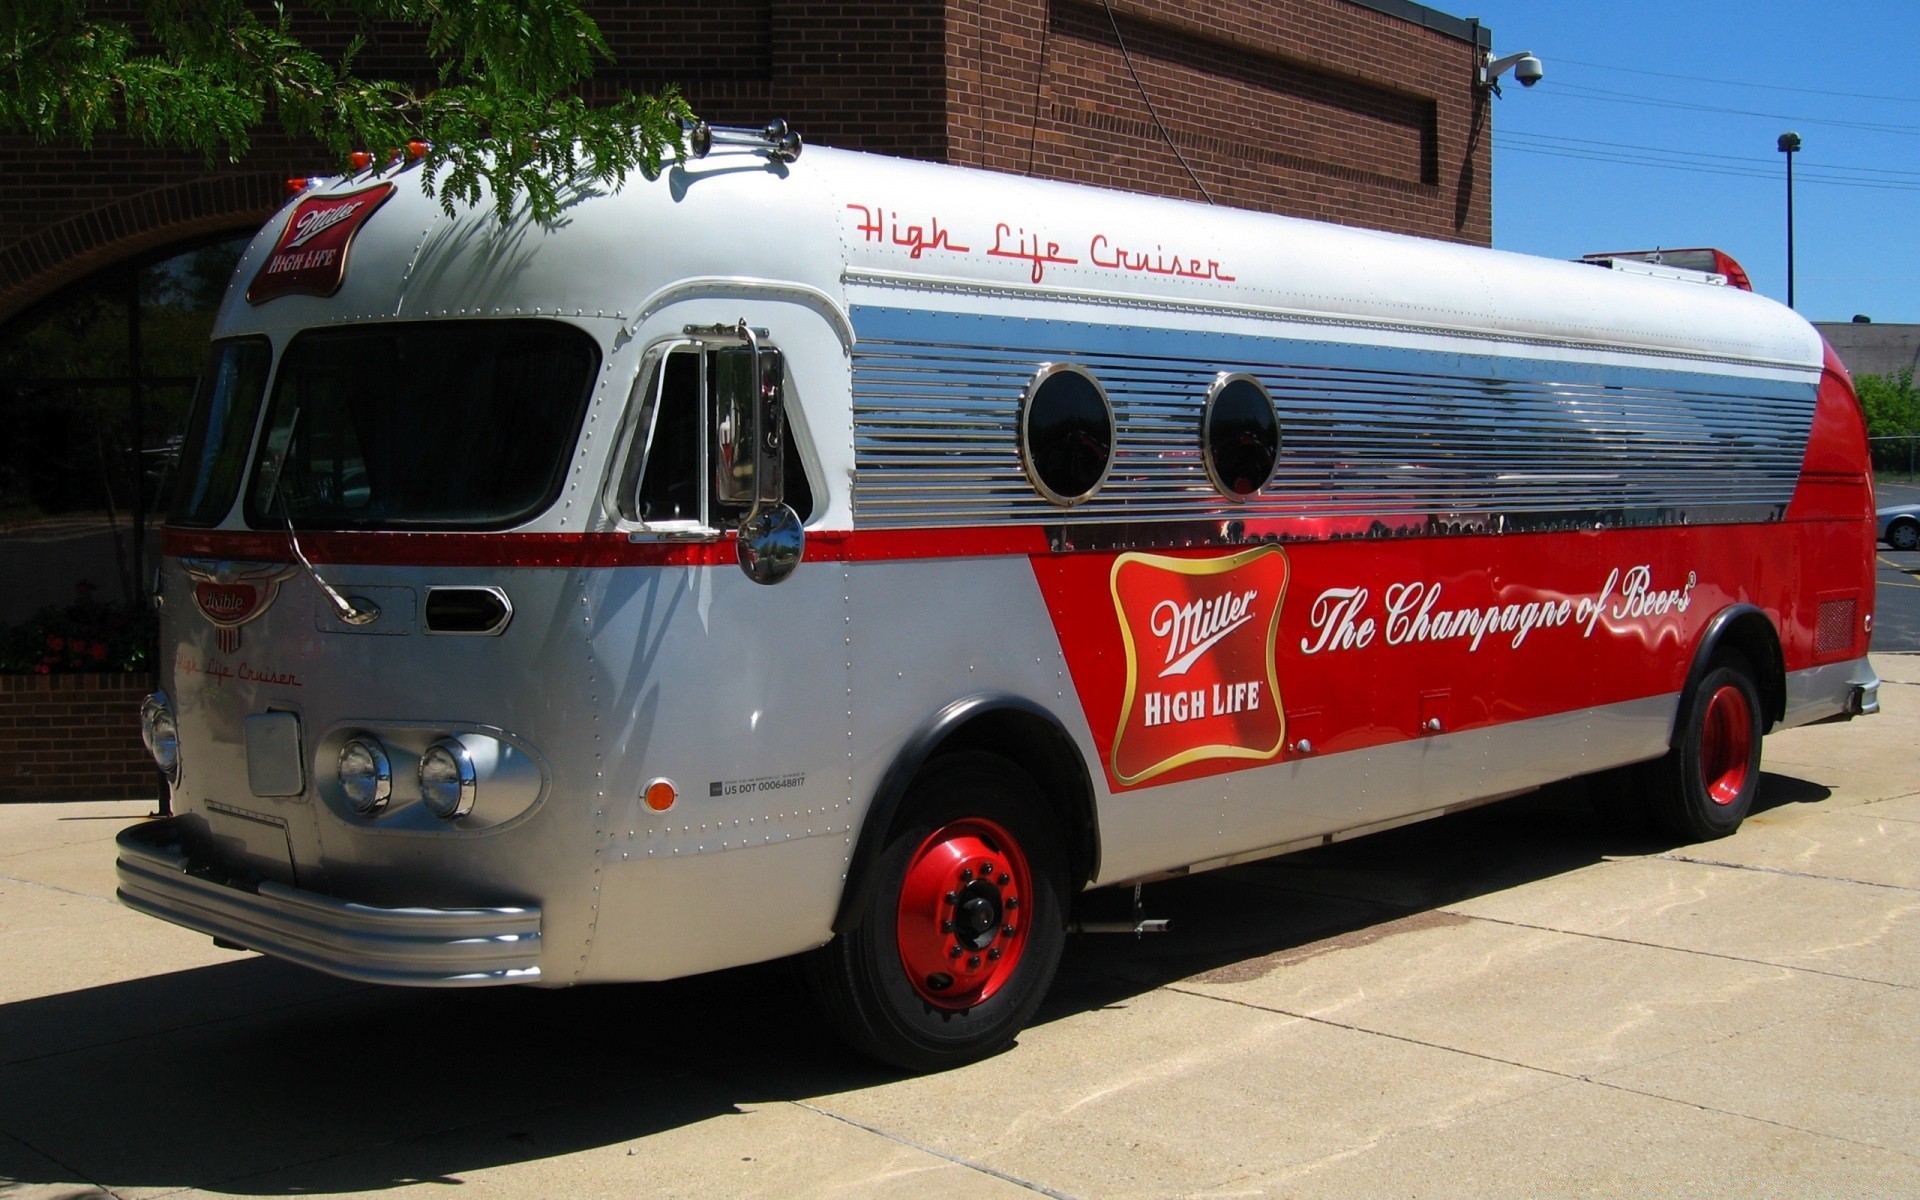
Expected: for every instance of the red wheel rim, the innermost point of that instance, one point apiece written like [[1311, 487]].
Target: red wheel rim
[[1726, 745], [962, 922]]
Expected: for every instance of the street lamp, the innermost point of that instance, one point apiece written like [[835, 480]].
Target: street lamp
[[1789, 143]]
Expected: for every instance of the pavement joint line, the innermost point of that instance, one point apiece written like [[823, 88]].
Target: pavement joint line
[[1572, 1076], [1734, 866], [1739, 958], [75, 1172], [175, 1030], [49, 887], [955, 1159]]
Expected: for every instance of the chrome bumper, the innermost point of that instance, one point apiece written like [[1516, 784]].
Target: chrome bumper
[[420, 947]]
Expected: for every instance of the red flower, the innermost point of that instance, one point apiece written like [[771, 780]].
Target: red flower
[[99, 651], [54, 643], [44, 669]]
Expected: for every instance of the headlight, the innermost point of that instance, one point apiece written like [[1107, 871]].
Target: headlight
[[161, 734], [365, 775], [447, 779]]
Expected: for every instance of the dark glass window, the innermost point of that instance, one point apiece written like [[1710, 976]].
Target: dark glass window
[[1241, 436], [1066, 434], [95, 385], [214, 453], [443, 425]]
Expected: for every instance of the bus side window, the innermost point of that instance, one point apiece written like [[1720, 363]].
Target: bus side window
[[671, 466], [670, 484]]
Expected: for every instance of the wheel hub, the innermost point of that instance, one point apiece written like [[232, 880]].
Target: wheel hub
[[960, 927], [1726, 745]]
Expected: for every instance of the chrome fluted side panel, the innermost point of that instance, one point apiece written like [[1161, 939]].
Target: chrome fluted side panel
[[935, 441]]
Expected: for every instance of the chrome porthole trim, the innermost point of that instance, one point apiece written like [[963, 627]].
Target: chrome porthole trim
[[365, 774], [1221, 383], [447, 779], [1047, 371]]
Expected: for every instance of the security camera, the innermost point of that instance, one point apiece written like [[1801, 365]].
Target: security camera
[[1525, 67]]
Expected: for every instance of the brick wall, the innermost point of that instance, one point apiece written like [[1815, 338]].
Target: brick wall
[[1315, 108], [1320, 108], [74, 737]]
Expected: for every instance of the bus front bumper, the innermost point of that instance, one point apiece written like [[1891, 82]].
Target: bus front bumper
[[419, 947]]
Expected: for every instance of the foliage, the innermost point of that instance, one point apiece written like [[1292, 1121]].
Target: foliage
[[87, 635], [1893, 412], [204, 75]]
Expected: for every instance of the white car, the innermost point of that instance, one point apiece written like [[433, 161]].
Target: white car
[[1899, 526]]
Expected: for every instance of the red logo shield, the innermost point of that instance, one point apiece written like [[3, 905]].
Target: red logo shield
[[311, 256], [1201, 681]]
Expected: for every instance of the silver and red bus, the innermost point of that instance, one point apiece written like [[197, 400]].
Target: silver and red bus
[[859, 559]]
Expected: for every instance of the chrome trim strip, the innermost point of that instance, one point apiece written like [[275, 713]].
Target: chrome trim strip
[[418, 947]]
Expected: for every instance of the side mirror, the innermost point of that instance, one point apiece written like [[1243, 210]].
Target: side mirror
[[750, 431]]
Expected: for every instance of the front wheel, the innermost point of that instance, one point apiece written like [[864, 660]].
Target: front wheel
[[958, 939], [1904, 536], [1704, 788]]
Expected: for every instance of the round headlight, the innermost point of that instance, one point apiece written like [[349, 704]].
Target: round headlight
[[447, 779], [161, 734], [365, 775]]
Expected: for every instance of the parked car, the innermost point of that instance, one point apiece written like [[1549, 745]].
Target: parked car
[[1899, 526]]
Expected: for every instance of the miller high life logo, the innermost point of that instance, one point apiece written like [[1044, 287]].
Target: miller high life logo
[[230, 594], [311, 255], [1201, 683]]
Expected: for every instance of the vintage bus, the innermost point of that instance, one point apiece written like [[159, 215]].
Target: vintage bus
[[858, 559]]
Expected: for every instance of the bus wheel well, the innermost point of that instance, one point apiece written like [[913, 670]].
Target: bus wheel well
[[1013, 728], [1043, 750], [1747, 630]]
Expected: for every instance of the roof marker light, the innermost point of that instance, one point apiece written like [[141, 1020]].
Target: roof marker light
[[360, 159]]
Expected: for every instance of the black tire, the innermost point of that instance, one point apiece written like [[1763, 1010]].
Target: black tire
[[1904, 535], [1704, 787], [862, 980]]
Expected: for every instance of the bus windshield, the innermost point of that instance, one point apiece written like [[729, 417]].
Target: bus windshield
[[445, 425]]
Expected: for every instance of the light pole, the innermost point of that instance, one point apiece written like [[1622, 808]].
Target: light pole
[[1789, 143]]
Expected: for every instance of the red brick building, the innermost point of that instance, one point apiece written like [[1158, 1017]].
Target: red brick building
[[1358, 111]]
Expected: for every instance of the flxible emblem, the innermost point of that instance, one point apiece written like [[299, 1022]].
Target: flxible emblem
[[1201, 680], [311, 256], [229, 594]]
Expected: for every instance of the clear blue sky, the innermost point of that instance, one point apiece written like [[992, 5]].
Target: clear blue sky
[[1631, 84]]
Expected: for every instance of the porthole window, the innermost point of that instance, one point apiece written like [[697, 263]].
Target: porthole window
[[1066, 433], [1239, 436]]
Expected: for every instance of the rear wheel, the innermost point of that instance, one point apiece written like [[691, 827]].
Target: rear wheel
[[958, 939], [1904, 535], [1704, 788]]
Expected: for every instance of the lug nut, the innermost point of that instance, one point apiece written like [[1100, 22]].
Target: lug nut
[[973, 960], [946, 927], [953, 897], [1013, 902], [965, 875], [1004, 879], [986, 870], [1007, 929], [994, 954], [953, 952]]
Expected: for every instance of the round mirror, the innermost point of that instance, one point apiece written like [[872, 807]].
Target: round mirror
[[1239, 436], [771, 544], [1066, 433]]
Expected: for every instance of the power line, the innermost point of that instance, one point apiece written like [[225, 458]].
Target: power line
[[1703, 169], [1690, 155], [1771, 87], [1574, 91]]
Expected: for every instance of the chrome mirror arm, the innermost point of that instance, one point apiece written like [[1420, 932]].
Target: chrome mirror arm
[[351, 611]]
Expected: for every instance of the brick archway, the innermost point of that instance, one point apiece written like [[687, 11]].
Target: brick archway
[[38, 265]]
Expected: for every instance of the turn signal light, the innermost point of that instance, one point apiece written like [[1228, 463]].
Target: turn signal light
[[660, 795]]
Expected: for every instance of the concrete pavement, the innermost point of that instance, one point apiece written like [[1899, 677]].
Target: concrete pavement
[[1510, 1001]]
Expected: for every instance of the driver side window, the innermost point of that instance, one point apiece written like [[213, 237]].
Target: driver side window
[[667, 479]]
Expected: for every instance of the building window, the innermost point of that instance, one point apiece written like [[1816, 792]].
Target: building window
[[94, 388]]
